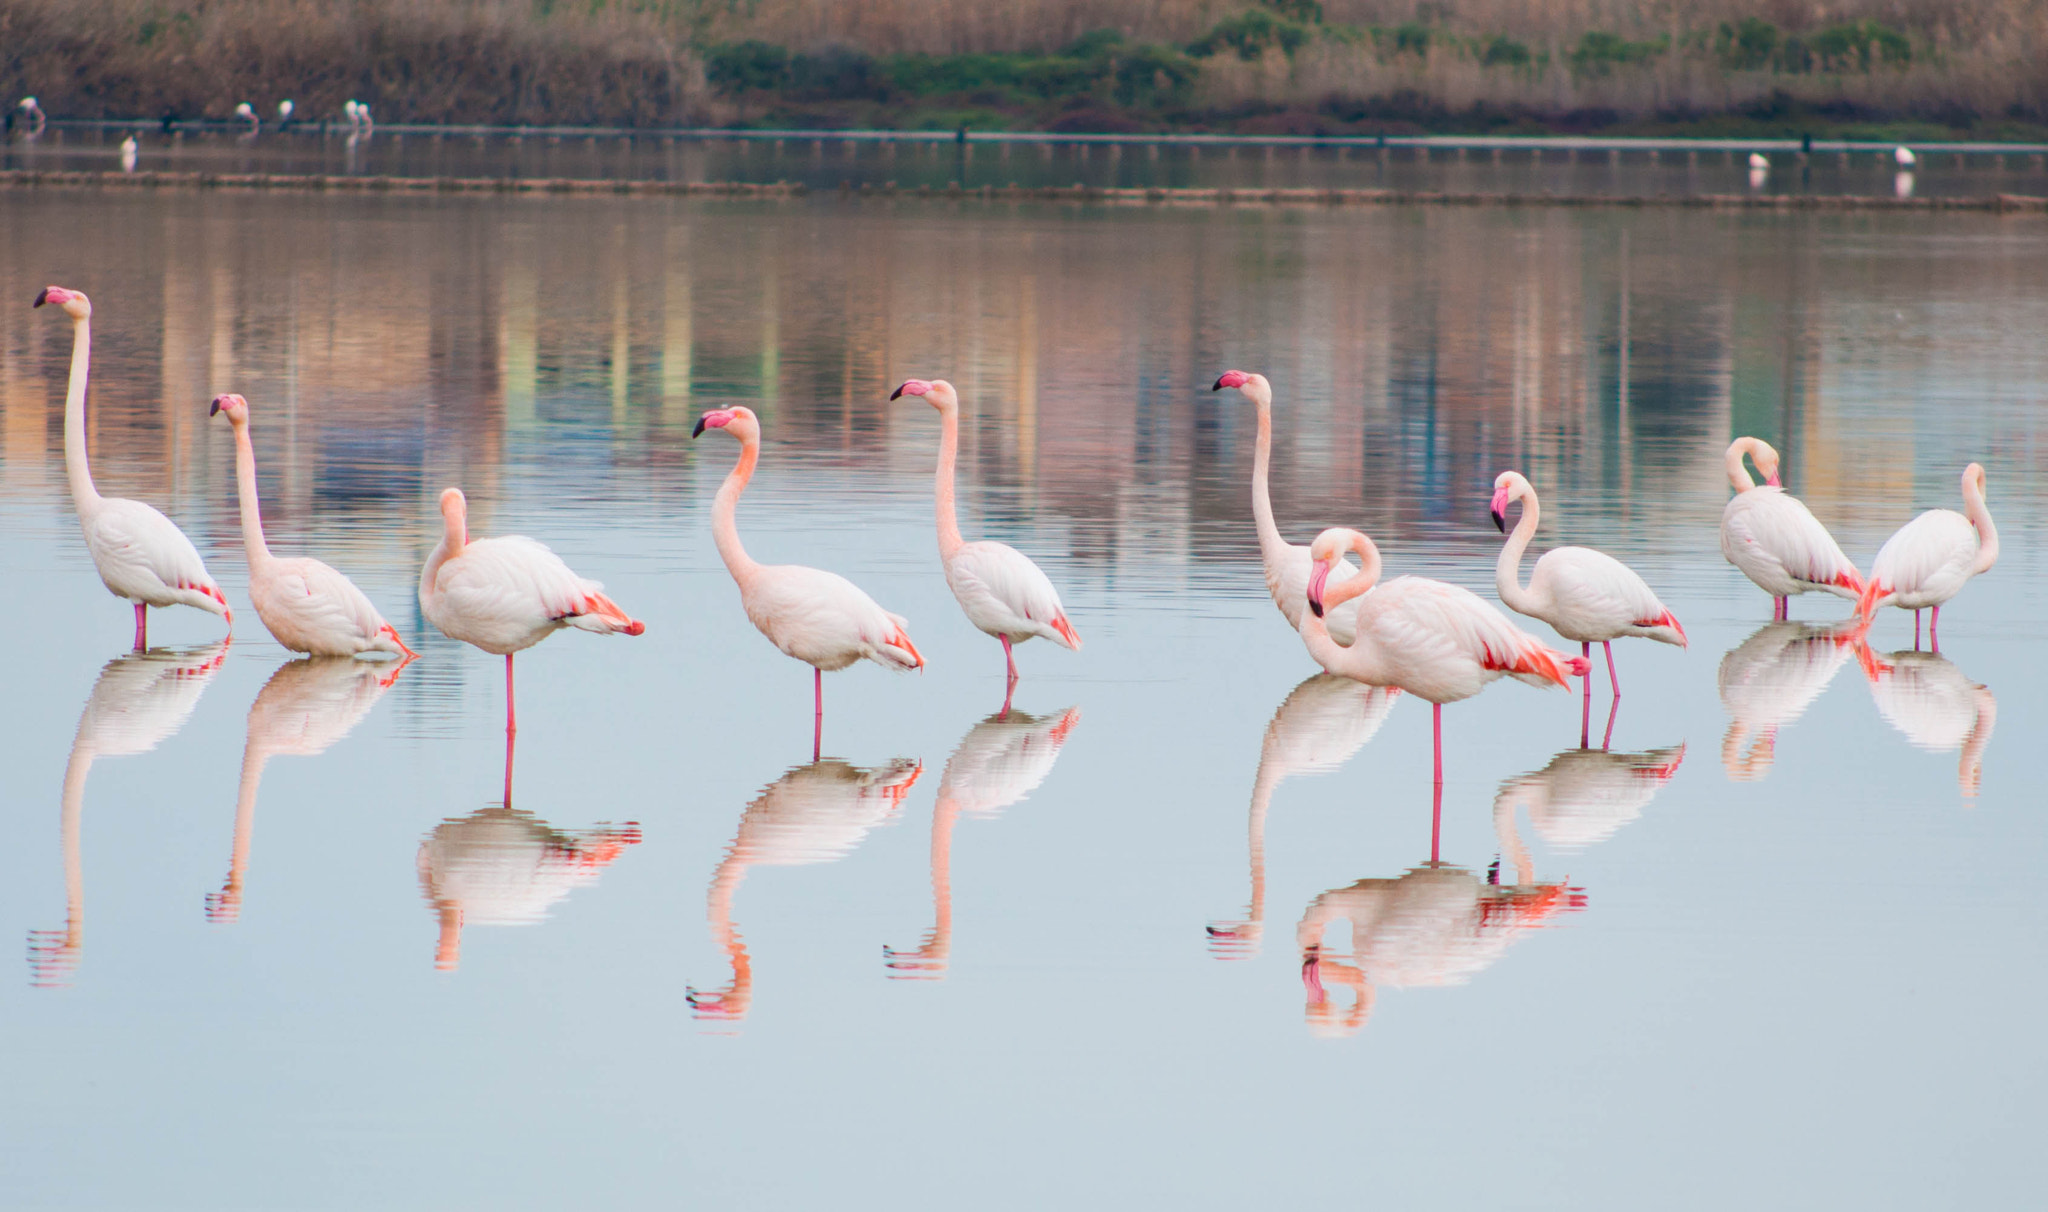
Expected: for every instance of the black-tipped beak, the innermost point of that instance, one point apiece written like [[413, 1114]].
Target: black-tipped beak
[[42, 297], [897, 394], [1217, 385], [1500, 520], [216, 407], [1316, 604], [699, 431]]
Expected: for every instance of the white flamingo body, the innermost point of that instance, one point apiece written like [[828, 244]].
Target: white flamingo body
[[1586, 595], [1584, 795], [1287, 565], [1929, 559], [308, 606], [1001, 591], [130, 151], [1935, 707], [506, 594], [503, 867], [1768, 681], [1774, 539], [141, 555]]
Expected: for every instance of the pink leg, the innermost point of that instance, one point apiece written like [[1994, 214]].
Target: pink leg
[[1436, 725], [1934, 631], [818, 717], [1607, 646], [1586, 704], [1436, 822], [1613, 709], [1009, 659], [511, 714], [1916, 631], [509, 734], [141, 627]]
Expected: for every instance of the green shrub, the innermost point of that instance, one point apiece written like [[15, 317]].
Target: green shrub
[[1304, 12], [737, 67], [1599, 53], [1251, 34], [1503, 51], [1153, 76], [1856, 46], [1411, 38], [1749, 46]]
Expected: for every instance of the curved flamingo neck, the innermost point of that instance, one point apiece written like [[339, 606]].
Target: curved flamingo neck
[[725, 529], [76, 467], [1738, 475], [454, 537], [950, 541], [1507, 571], [1271, 544], [1979, 514], [245, 489], [1369, 570], [1361, 660]]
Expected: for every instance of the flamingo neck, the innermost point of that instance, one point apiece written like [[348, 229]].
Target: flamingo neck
[[1738, 475], [1507, 571], [950, 541], [454, 537], [1361, 660], [1271, 545], [1511, 839], [245, 489], [725, 530], [1979, 514], [254, 758], [76, 468]]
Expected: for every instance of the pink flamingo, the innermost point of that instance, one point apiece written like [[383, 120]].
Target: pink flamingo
[[1775, 540], [507, 594], [1286, 564], [1004, 594], [1932, 557], [820, 618], [1586, 595], [1434, 640], [141, 555], [307, 605]]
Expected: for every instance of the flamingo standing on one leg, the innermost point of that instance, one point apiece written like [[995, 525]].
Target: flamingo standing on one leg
[[1775, 540], [1286, 563], [507, 594], [307, 605], [141, 555], [818, 617], [1003, 592], [1931, 558], [1434, 640], [1586, 595]]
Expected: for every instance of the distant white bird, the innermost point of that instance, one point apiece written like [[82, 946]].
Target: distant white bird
[[1775, 540], [247, 113], [1002, 592], [130, 150], [353, 112], [284, 112], [363, 118], [36, 118], [1905, 157], [1757, 160], [1931, 558], [141, 555]]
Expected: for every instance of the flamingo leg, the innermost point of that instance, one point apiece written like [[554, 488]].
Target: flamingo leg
[[509, 735], [1613, 710], [1607, 646], [141, 627], [1009, 659], [1436, 821], [1916, 631], [1008, 692], [1436, 727], [1934, 631], [1586, 706], [511, 714], [818, 716]]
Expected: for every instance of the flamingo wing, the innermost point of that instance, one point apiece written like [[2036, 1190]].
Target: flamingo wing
[[1004, 593], [515, 581], [1592, 592], [1438, 629], [1770, 526], [142, 555], [1932, 554], [826, 620], [307, 602]]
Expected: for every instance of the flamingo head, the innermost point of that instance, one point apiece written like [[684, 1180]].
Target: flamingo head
[[29, 104], [739, 420], [1506, 488], [284, 109], [235, 406], [1254, 386], [455, 512], [937, 392], [245, 110], [1973, 475], [74, 302]]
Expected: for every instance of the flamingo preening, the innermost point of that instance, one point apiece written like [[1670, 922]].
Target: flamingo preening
[[1002, 592], [1775, 540], [1585, 595], [247, 113], [507, 594], [1286, 564], [818, 617], [1434, 640], [33, 115], [141, 555], [1931, 558], [307, 605]]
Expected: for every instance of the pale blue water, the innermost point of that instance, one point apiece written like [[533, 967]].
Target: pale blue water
[[1796, 976]]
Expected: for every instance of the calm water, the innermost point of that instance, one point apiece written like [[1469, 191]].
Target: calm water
[[829, 164], [287, 946]]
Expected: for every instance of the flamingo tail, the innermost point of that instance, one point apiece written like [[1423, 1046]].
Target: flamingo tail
[[1536, 665], [1066, 630], [1866, 602], [603, 616], [898, 652]]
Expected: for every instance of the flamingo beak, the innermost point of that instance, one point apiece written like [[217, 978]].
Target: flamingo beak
[[1230, 378], [216, 406], [1772, 479], [897, 394], [1316, 580], [1499, 509], [699, 431], [42, 297]]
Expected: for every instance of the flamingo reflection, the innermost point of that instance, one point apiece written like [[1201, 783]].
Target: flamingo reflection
[[1937, 707], [1769, 680], [813, 814], [500, 866], [140, 700], [1320, 724], [1585, 795], [999, 762], [1436, 924], [305, 707]]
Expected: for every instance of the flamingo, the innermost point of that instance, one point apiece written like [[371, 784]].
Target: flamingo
[[141, 555], [999, 762], [247, 113], [820, 618], [1286, 564], [1434, 640], [1769, 680], [1758, 163], [812, 814], [1775, 540], [1321, 723], [306, 707], [1935, 706], [284, 114], [33, 115], [1584, 795], [1003, 593], [500, 866], [139, 701], [1586, 595], [130, 152], [507, 594], [1904, 156], [1931, 558], [307, 605]]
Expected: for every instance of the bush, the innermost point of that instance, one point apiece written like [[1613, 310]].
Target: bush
[[1599, 53], [737, 67], [1857, 46], [1750, 46], [1251, 34], [1503, 51], [1411, 38]]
